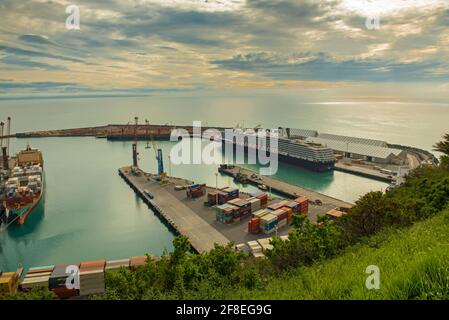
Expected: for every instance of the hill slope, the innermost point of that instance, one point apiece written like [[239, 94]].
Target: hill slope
[[413, 262]]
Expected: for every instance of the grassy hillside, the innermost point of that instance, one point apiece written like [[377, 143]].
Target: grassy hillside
[[413, 262]]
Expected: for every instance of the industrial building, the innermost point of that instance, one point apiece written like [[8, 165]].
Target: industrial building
[[368, 152], [372, 150]]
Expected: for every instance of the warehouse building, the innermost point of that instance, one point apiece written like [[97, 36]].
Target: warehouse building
[[354, 148]]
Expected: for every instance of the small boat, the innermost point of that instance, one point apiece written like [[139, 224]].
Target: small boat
[[262, 187]]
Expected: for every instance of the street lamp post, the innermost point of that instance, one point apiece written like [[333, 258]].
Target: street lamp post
[[169, 165], [216, 188]]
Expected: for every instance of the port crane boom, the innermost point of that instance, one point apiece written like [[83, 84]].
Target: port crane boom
[[157, 153], [135, 153]]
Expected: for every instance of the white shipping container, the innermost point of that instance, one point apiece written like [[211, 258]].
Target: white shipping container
[[255, 204], [265, 244], [254, 246], [267, 219]]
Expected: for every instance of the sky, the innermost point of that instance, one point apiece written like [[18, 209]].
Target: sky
[[139, 47]]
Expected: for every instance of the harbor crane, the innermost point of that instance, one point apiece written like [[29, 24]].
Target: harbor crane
[[157, 153], [135, 153]]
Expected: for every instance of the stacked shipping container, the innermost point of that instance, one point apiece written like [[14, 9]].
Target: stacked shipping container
[[303, 205], [37, 277], [223, 195], [115, 265], [58, 282], [92, 277], [195, 190]]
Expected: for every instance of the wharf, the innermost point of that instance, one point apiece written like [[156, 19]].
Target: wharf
[[202, 236], [290, 191], [364, 172]]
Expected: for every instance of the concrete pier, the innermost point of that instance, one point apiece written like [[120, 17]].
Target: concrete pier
[[290, 191], [364, 172], [202, 236]]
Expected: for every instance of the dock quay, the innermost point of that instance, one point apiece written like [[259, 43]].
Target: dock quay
[[190, 217], [183, 219], [324, 203], [364, 172]]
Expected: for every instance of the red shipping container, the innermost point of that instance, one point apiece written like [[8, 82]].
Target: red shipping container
[[301, 199], [212, 198], [288, 210], [92, 265], [254, 225], [263, 199], [303, 204]]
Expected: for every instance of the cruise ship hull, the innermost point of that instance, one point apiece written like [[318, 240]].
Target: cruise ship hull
[[303, 163], [310, 165]]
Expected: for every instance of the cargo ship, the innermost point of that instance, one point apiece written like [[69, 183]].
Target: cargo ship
[[308, 155], [25, 185]]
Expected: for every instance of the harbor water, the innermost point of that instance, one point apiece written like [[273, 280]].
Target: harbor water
[[90, 213]]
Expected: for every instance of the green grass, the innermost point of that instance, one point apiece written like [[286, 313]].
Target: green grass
[[413, 262]]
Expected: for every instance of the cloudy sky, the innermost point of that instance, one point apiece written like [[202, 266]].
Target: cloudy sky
[[145, 46]]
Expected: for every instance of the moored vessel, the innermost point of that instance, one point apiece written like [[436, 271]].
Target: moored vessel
[[308, 155], [24, 188]]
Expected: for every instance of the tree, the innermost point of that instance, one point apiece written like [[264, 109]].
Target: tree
[[443, 147], [367, 217]]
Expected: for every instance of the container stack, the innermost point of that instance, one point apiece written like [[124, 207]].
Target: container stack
[[283, 215], [225, 195], [212, 198], [278, 205], [260, 213], [256, 249], [263, 197], [9, 282], [137, 261], [265, 244], [195, 190], [231, 193], [115, 265], [58, 280], [37, 277], [303, 204], [243, 208], [225, 213], [268, 223], [92, 277], [294, 206], [334, 214], [254, 225], [255, 204]]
